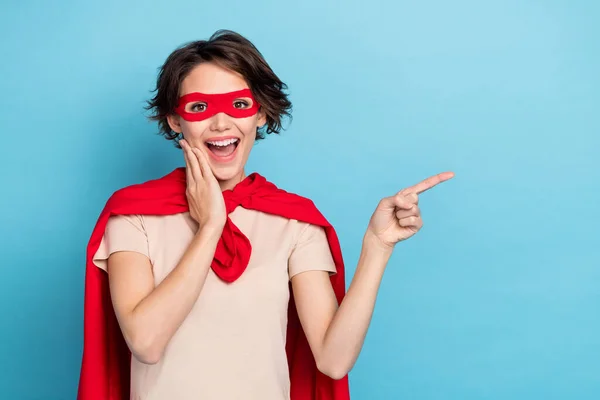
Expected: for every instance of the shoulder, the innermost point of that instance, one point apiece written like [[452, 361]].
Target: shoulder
[[298, 207], [152, 223], [125, 222], [169, 187]]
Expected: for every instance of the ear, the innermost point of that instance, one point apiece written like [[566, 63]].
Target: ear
[[174, 123], [262, 118]]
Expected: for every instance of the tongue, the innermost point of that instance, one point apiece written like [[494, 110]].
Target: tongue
[[222, 151]]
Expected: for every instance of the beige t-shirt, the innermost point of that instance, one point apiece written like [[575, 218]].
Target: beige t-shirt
[[231, 346]]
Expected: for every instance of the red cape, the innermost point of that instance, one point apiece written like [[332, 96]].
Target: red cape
[[105, 368]]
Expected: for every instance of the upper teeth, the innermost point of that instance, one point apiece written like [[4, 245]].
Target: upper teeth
[[225, 142]]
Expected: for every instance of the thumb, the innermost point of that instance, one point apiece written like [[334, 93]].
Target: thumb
[[398, 200]]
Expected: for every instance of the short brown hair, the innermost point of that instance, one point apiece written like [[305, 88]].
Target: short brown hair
[[234, 52]]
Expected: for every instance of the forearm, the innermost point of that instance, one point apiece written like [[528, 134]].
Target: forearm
[[157, 317], [346, 333]]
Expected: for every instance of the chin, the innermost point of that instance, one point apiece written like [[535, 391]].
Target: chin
[[226, 173]]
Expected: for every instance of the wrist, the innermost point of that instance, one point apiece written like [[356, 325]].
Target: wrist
[[374, 256], [374, 245], [210, 230]]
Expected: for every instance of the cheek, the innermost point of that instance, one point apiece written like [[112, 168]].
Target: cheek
[[193, 130], [247, 126]]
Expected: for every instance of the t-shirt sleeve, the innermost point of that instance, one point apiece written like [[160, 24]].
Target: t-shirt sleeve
[[311, 252], [122, 233]]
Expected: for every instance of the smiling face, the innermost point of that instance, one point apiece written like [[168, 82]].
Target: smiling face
[[223, 126]]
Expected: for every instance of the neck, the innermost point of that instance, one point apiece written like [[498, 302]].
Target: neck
[[229, 184]]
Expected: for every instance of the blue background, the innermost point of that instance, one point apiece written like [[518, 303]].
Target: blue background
[[496, 298]]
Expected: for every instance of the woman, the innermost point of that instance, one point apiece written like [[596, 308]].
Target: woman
[[222, 285]]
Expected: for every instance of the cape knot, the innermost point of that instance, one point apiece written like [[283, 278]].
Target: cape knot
[[233, 200]]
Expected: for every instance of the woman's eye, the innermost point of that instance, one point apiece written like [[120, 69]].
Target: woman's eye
[[198, 107], [241, 104]]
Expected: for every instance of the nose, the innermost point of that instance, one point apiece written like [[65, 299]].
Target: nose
[[220, 122]]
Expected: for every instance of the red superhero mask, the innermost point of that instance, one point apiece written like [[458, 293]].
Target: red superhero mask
[[216, 103]]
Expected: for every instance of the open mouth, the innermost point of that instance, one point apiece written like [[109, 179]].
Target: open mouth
[[223, 149]]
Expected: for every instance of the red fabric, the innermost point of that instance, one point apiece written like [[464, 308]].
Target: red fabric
[[106, 360], [216, 103]]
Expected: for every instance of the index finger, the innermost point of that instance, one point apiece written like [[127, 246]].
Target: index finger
[[429, 182], [203, 161], [192, 166], [188, 170]]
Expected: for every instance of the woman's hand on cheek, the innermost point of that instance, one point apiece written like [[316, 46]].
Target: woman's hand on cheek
[[204, 195]]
